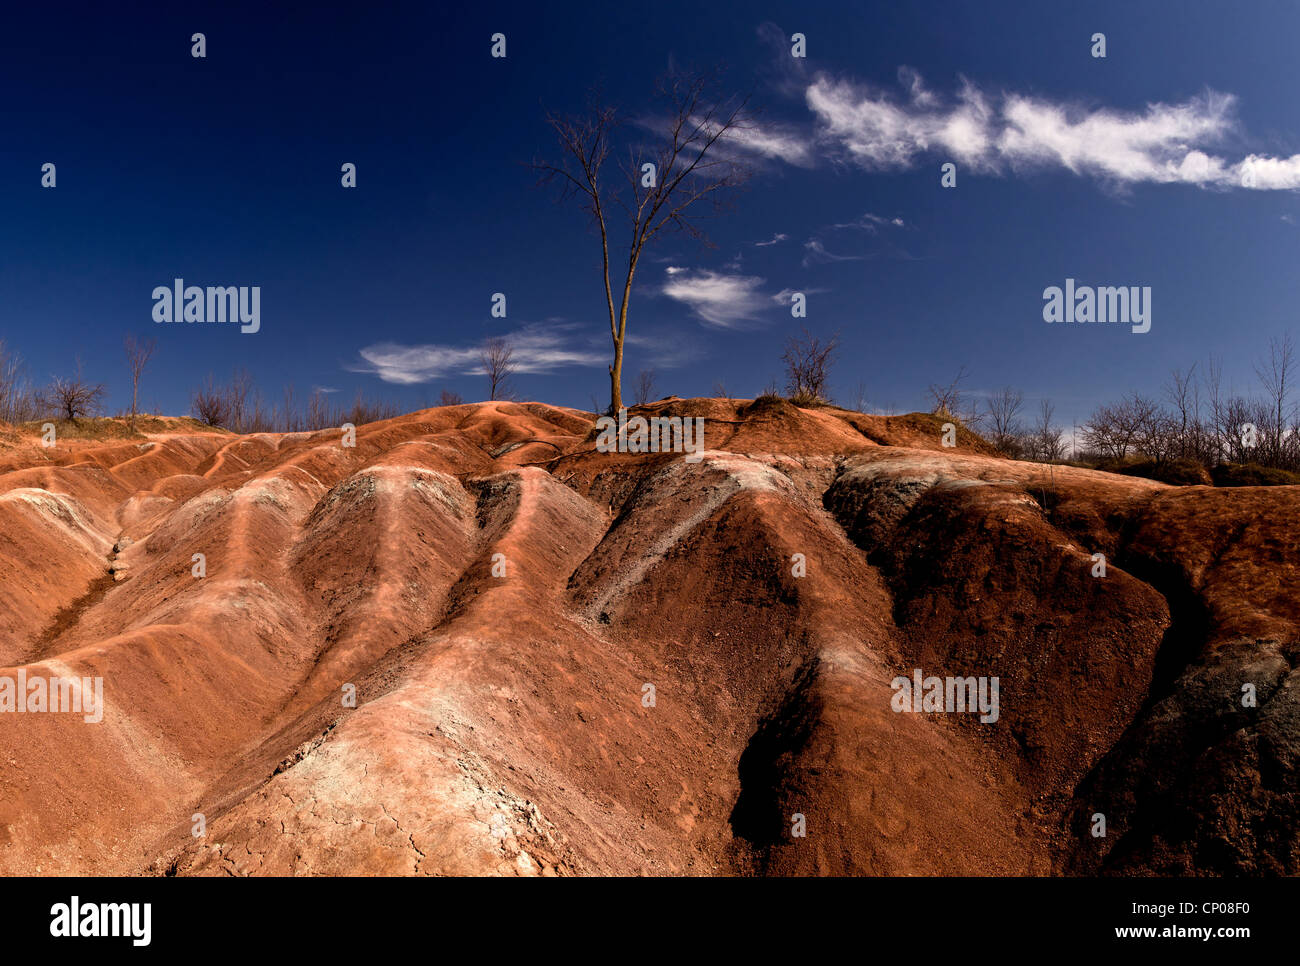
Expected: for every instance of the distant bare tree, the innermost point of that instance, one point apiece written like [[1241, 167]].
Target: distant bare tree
[[1045, 438], [948, 399], [860, 398], [688, 168], [235, 399], [292, 419], [1182, 393], [70, 398], [1116, 430], [1277, 375], [449, 398], [256, 419], [1219, 429], [18, 402], [498, 366], [373, 410], [209, 404], [1004, 416], [645, 387], [318, 410], [808, 362], [1157, 436], [138, 354], [1237, 413]]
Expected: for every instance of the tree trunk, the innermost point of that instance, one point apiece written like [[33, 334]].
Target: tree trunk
[[616, 379]]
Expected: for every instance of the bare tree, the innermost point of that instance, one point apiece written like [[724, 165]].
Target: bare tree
[[18, 402], [209, 404], [257, 419], [808, 363], [1219, 429], [1004, 414], [860, 398], [1157, 437], [448, 398], [1276, 375], [1182, 393], [237, 397], [645, 387], [138, 354], [292, 420], [70, 398], [1118, 430], [948, 399], [318, 410], [1045, 439], [498, 366], [662, 187]]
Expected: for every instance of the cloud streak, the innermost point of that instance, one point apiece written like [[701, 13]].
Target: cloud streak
[[534, 349], [718, 300], [1010, 133]]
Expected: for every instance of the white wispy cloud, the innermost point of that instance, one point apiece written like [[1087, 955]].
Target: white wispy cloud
[[723, 301], [776, 239], [815, 252], [877, 131], [782, 297], [870, 222], [779, 143], [534, 349], [1164, 143], [747, 141]]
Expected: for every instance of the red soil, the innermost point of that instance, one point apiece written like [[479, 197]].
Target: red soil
[[499, 724]]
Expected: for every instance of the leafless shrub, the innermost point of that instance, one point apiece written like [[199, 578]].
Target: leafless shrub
[[1043, 441], [449, 398], [208, 404], [808, 362], [365, 410], [645, 387], [1004, 418], [948, 399], [860, 398]]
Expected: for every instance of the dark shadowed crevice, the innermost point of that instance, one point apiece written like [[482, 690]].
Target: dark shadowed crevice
[[66, 619], [1189, 622], [767, 766]]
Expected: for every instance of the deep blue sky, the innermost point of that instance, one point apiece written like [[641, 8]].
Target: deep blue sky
[[225, 171]]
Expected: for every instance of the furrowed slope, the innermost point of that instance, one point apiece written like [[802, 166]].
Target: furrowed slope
[[472, 643]]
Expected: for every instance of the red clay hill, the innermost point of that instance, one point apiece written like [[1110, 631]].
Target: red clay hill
[[567, 662]]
